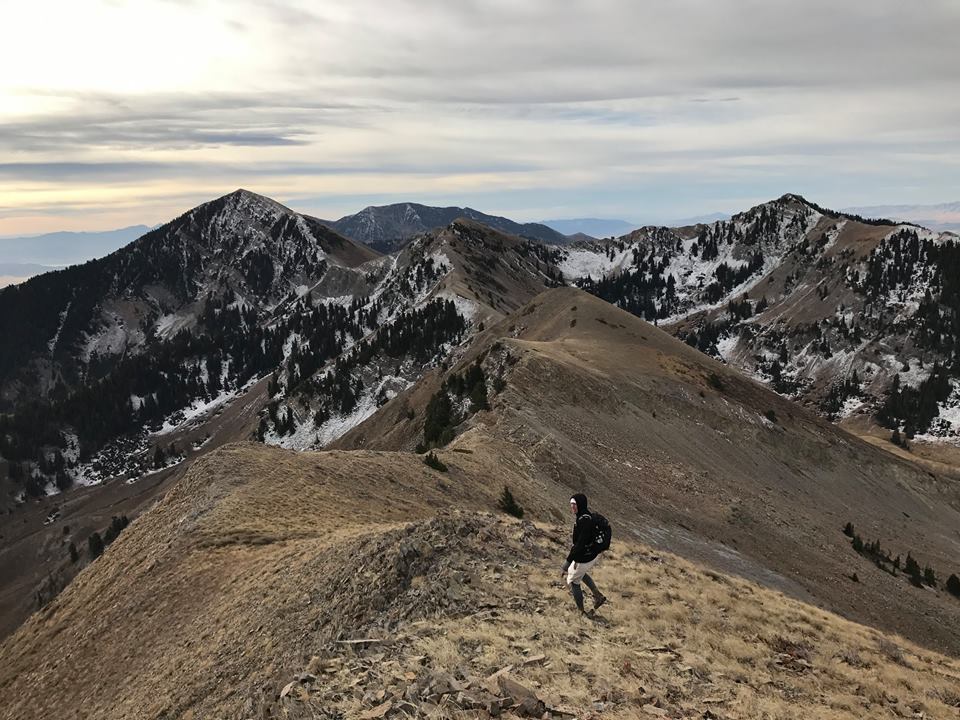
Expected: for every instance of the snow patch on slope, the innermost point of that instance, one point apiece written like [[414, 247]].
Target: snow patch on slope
[[169, 325], [52, 345], [726, 345], [111, 340], [308, 434], [198, 408], [594, 264], [466, 307]]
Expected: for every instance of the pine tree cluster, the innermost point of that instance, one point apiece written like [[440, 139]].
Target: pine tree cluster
[[509, 504], [418, 335], [918, 576], [440, 418]]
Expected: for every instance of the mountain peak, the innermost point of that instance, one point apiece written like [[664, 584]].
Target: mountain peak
[[242, 198], [794, 197]]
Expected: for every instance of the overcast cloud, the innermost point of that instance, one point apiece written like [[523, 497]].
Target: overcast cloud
[[129, 112]]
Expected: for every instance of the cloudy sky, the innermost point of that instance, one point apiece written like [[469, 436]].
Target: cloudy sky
[[114, 113]]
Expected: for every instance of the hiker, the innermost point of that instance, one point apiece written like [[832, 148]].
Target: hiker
[[591, 536]]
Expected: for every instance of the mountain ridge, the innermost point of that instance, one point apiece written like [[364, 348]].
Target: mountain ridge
[[388, 228]]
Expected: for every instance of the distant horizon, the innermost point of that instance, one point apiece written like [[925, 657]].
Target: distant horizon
[[518, 217]]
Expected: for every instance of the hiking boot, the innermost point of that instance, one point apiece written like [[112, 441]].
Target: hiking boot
[[598, 601]]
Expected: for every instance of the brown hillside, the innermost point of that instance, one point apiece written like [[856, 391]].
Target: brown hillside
[[272, 584], [689, 455]]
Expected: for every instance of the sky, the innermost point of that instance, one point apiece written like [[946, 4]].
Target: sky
[[116, 113]]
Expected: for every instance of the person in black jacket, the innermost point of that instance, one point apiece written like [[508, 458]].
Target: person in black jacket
[[583, 554]]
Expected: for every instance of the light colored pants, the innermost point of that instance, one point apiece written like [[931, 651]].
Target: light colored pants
[[576, 571]]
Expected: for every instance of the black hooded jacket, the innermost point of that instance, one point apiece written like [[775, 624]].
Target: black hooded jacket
[[584, 532]]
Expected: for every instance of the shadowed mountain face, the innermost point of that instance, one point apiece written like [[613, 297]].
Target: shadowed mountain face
[[68, 322], [388, 228], [237, 291]]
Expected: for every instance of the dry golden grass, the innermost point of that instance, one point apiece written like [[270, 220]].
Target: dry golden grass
[[689, 640]]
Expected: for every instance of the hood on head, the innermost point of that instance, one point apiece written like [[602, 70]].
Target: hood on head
[[581, 501]]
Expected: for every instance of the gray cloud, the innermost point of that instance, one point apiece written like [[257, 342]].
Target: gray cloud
[[540, 94], [101, 172], [179, 121], [502, 52]]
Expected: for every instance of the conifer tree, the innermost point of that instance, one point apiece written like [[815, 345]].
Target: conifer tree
[[95, 545], [508, 503]]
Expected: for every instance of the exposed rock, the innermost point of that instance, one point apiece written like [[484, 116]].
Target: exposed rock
[[378, 712]]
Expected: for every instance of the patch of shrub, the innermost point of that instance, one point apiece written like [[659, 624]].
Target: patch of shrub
[[117, 525], [95, 545], [508, 503], [794, 648], [912, 568], [436, 425], [852, 658], [953, 585], [857, 544], [892, 652], [715, 381], [431, 460]]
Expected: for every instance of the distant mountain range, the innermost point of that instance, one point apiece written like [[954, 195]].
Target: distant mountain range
[[945, 216], [12, 273], [598, 228], [387, 228], [65, 248], [594, 227], [697, 220]]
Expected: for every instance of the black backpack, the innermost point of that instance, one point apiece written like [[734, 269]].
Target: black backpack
[[603, 532]]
